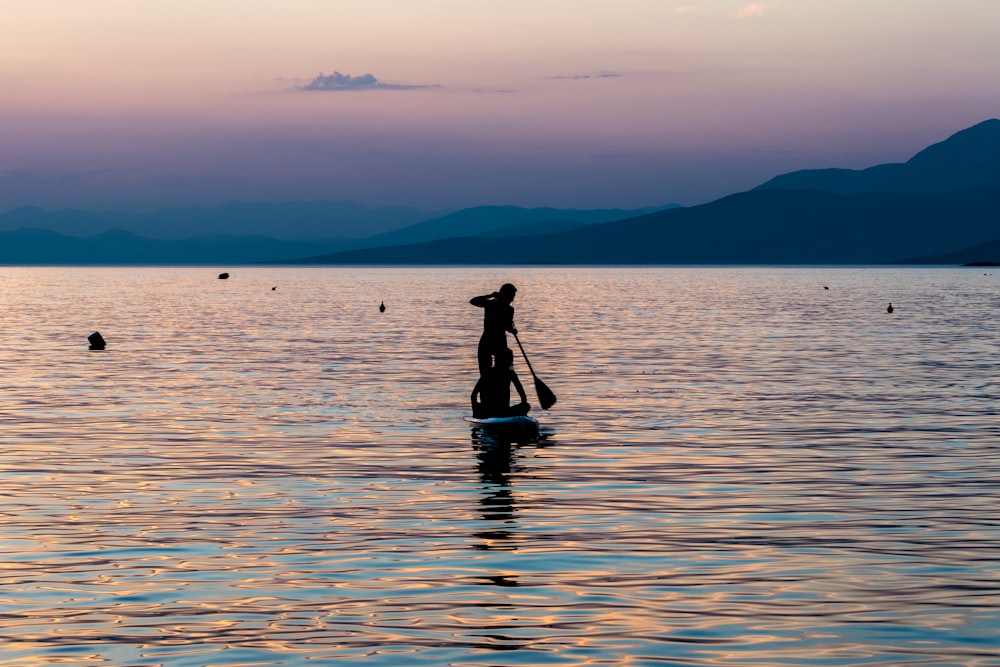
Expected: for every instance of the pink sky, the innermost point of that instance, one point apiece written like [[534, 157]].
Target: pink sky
[[570, 103]]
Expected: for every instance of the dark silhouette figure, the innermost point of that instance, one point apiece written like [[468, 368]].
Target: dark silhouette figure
[[97, 341], [825, 287], [223, 276], [274, 288], [890, 308], [491, 395], [498, 319], [381, 307]]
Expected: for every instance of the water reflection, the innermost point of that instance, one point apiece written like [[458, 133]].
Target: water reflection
[[495, 454], [751, 471]]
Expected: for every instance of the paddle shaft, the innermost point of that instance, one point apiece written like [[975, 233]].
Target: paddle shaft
[[546, 397], [530, 369]]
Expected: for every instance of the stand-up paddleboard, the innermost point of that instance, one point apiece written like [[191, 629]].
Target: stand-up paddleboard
[[521, 422]]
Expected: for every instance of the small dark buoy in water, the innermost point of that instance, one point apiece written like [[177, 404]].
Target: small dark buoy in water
[[381, 307], [825, 287], [223, 276], [890, 308], [97, 341], [274, 288]]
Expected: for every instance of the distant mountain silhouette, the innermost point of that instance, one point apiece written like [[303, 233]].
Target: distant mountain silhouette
[[947, 197], [38, 246], [89, 242], [286, 220], [983, 253], [943, 200], [503, 221], [967, 159], [756, 227]]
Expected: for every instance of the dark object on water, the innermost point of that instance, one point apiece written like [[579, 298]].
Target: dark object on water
[[274, 288], [825, 287], [97, 341], [890, 308], [381, 307], [223, 276]]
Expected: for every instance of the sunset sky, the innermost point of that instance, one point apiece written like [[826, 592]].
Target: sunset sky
[[451, 103]]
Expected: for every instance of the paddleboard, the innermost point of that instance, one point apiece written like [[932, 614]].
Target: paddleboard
[[517, 421]]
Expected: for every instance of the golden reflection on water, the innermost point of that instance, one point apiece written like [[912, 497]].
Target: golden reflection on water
[[743, 468]]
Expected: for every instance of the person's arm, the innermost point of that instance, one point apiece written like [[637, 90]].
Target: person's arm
[[483, 301], [510, 321], [476, 391], [517, 387]]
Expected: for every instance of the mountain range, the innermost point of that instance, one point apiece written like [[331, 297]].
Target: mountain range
[[941, 206], [944, 200], [36, 236]]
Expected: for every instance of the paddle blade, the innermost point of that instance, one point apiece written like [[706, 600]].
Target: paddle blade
[[545, 396]]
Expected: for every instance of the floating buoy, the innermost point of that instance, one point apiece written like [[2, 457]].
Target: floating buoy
[[381, 307], [97, 341], [890, 308], [223, 276]]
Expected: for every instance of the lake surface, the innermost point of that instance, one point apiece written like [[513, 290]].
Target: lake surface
[[743, 468]]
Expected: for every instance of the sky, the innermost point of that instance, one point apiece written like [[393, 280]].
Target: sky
[[444, 104]]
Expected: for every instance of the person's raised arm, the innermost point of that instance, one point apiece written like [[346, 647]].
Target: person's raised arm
[[484, 300]]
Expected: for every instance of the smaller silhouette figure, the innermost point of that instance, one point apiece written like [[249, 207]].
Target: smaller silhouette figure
[[825, 287], [224, 276], [890, 308], [274, 288], [491, 395], [381, 307]]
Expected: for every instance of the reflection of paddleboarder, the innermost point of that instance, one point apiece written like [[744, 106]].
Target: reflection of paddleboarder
[[498, 319]]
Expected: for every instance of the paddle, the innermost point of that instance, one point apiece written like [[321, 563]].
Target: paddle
[[545, 396]]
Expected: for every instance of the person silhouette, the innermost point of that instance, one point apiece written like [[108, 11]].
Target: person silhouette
[[491, 395], [498, 319]]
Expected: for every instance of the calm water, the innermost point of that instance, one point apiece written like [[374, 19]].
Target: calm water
[[743, 468]]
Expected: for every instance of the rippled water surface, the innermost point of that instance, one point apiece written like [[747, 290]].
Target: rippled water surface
[[743, 468]]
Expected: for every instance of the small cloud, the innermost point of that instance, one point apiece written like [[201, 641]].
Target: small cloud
[[753, 10], [578, 77], [338, 81]]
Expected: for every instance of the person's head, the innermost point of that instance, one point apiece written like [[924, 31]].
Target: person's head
[[505, 358], [507, 292]]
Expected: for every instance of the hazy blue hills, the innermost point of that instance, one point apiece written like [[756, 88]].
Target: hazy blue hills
[[40, 246], [503, 221], [944, 199], [756, 227], [342, 220], [967, 159], [983, 254], [81, 237]]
